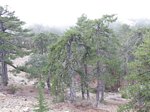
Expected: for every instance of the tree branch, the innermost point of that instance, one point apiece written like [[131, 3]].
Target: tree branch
[[16, 67]]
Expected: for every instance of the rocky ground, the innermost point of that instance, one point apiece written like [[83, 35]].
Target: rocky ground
[[21, 96]]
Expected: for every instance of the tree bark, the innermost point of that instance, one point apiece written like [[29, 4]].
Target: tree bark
[[4, 74], [102, 91], [98, 93], [86, 80], [48, 83], [72, 90], [87, 91], [82, 89], [4, 69], [98, 84], [70, 72]]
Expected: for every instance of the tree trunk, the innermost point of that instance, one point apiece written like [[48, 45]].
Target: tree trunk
[[48, 84], [98, 93], [86, 80], [72, 90], [70, 72], [82, 89], [98, 84], [87, 91], [102, 91], [4, 69]]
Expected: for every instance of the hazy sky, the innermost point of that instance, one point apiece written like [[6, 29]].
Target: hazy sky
[[65, 12]]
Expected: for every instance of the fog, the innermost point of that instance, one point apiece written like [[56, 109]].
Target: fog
[[64, 13]]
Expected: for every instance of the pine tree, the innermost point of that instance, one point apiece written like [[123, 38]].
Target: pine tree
[[70, 55], [138, 89], [42, 105], [10, 28]]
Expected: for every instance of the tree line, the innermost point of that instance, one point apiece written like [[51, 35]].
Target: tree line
[[92, 50]]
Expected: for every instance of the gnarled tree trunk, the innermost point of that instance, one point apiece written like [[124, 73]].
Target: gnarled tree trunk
[[70, 72]]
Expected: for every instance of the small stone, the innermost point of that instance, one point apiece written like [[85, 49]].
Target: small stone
[[26, 109], [2, 95]]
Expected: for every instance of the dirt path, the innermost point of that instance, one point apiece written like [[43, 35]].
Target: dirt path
[[24, 100]]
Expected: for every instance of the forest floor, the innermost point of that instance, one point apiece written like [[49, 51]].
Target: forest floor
[[21, 96]]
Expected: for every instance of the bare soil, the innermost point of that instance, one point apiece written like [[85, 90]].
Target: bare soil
[[21, 96]]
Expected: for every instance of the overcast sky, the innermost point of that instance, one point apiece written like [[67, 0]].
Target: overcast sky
[[65, 12]]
